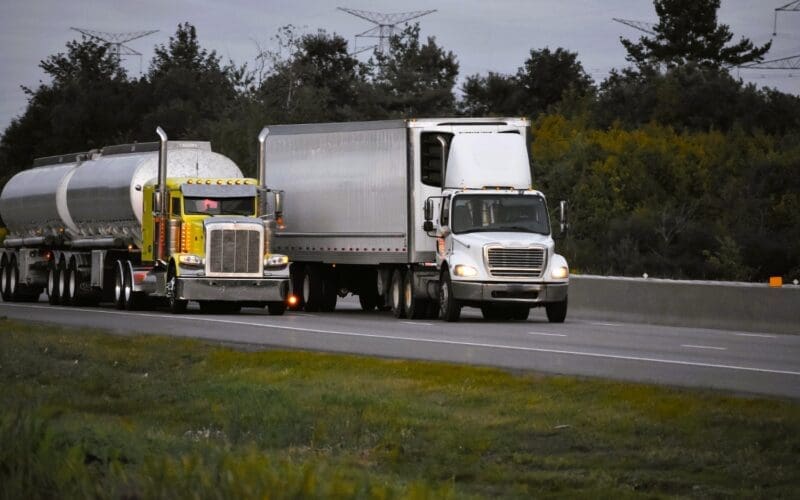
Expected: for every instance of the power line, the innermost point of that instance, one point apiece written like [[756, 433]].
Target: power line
[[785, 63], [117, 41], [385, 25]]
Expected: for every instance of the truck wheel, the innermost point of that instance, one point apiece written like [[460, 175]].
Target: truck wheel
[[63, 289], [4, 273], [276, 308], [176, 306], [134, 301], [415, 308], [52, 284], [119, 285], [396, 294], [556, 311], [297, 276], [12, 281], [72, 285], [312, 288], [449, 308]]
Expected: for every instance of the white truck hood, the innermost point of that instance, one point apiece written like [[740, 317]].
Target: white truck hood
[[506, 239]]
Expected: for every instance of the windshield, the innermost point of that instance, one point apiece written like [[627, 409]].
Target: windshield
[[499, 212], [219, 206]]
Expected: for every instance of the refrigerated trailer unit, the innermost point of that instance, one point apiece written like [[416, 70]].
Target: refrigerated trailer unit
[[424, 216], [169, 221]]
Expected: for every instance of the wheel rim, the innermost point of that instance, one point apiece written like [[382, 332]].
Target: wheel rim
[[62, 283], [118, 286], [407, 294], [4, 280], [395, 294], [72, 284], [51, 282], [306, 288], [12, 279], [128, 287]]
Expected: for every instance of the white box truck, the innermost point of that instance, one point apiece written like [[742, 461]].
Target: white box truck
[[421, 215]]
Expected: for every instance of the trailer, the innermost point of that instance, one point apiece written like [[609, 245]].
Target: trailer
[[423, 216], [141, 224]]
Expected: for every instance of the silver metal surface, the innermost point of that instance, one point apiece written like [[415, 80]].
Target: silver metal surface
[[341, 178], [519, 293], [515, 262], [250, 290], [99, 198], [234, 248]]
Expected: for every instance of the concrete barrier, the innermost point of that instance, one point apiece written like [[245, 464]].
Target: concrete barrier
[[701, 304]]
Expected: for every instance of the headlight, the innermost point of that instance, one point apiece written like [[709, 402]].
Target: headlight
[[190, 260], [276, 260], [560, 273], [465, 271]]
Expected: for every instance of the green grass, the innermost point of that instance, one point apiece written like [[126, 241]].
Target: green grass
[[87, 413]]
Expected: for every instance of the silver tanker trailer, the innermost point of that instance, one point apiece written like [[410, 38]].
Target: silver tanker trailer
[[111, 225]]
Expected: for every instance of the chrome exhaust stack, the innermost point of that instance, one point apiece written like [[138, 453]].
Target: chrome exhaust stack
[[160, 201]]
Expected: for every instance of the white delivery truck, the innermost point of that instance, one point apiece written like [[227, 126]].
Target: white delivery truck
[[422, 215]]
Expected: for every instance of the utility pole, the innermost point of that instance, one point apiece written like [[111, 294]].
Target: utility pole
[[117, 41], [385, 25]]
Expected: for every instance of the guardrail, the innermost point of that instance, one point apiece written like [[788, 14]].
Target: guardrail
[[749, 307]]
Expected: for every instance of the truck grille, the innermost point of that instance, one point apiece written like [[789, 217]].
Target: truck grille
[[234, 251], [516, 262]]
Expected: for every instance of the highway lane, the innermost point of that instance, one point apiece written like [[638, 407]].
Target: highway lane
[[729, 360]]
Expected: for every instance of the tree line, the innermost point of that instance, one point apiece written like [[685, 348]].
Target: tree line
[[671, 165]]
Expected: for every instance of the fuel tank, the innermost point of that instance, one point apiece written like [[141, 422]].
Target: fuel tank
[[98, 195]]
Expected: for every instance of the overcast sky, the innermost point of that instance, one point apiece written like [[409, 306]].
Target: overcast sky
[[485, 35]]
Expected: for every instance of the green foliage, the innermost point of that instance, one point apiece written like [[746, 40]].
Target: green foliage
[[673, 204], [413, 78], [149, 417], [687, 32]]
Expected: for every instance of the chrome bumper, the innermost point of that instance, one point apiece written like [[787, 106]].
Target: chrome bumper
[[233, 290], [519, 293]]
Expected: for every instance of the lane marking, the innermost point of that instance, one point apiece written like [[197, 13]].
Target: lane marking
[[604, 324], [760, 335], [416, 323], [704, 347], [547, 334], [429, 341]]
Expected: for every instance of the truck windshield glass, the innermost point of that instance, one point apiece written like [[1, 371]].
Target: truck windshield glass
[[499, 212], [219, 206]]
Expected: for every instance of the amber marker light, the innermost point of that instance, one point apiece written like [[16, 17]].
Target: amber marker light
[[292, 300]]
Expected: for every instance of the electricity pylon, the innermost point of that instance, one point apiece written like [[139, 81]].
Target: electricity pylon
[[789, 7], [117, 41], [640, 25], [791, 62], [385, 25]]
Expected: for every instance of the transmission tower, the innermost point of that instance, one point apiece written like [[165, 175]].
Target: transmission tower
[[786, 63], [640, 25], [789, 7], [385, 25], [117, 41]]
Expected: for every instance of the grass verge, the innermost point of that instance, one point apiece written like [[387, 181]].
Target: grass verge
[[89, 414]]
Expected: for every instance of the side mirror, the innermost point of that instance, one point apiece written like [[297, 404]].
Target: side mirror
[[279, 197], [562, 212], [428, 212]]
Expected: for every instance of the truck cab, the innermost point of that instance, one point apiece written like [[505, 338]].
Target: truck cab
[[494, 244]]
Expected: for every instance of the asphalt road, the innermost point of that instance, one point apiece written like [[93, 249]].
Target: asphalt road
[[743, 362]]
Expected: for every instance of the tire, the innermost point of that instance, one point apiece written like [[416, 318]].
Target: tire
[[297, 275], [72, 285], [134, 301], [384, 303], [52, 284], [63, 289], [313, 288], [175, 306], [396, 294], [276, 308], [556, 311], [12, 281], [415, 308], [449, 308], [119, 285], [4, 276]]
